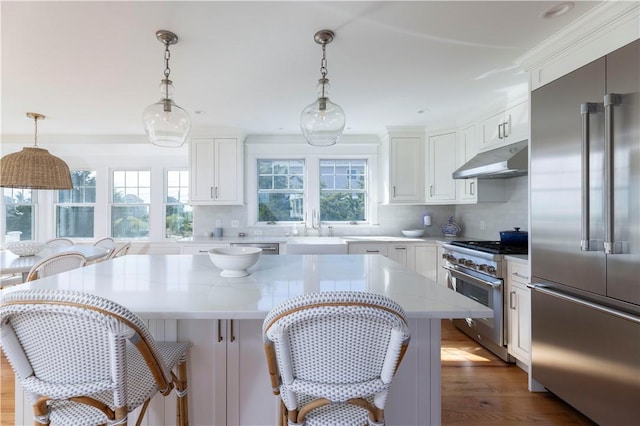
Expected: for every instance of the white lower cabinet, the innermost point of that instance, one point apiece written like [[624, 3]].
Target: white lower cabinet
[[519, 314], [369, 248], [201, 248], [426, 260], [401, 253], [232, 381]]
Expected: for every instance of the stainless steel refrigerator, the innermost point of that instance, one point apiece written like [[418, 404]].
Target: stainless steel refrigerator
[[585, 237]]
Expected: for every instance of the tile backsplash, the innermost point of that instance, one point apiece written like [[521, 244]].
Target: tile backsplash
[[486, 220], [481, 221]]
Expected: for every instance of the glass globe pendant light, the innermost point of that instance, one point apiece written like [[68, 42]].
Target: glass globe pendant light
[[323, 121], [165, 123]]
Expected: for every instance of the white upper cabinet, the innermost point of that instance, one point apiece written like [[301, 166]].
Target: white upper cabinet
[[507, 127], [216, 171], [405, 184], [466, 149], [441, 163]]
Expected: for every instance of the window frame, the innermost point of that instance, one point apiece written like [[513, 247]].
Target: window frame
[[111, 203], [56, 203], [166, 203], [312, 157], [35, 207]]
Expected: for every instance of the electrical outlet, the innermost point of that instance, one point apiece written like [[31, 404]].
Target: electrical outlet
[[482, 225], [235, 223], [218, 223]]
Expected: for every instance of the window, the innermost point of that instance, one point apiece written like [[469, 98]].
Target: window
[[75, 208], [343, 190], [280, 190], [178, 215], [130, 200], [19, 214]]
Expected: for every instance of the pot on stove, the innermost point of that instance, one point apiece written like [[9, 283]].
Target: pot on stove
[[515, 237]]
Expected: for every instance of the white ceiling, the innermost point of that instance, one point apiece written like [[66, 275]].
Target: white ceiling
[[92, 67]]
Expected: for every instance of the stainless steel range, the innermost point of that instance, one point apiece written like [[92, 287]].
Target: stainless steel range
[[476, 269]]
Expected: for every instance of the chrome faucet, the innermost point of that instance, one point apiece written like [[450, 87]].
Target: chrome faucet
[[315, 222]]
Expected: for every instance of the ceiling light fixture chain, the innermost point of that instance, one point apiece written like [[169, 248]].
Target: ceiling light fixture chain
[[165, 123], [322, 122]]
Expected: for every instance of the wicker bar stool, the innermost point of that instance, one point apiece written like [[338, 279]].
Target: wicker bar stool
[[85, 360], [59, 242], [332, 356]]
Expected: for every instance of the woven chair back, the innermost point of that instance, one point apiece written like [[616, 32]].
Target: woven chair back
[[336, 345], [56, 263], [59, 242], [66, 343]]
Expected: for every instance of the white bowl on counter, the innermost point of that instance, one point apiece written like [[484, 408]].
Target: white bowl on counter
[[234, 261], [25, 248], [414, 233]]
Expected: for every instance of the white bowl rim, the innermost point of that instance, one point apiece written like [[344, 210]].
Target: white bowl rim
[[235, 251]]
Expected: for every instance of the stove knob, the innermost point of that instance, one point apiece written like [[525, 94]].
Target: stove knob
[[491, 269], [462, 260], [483, 267], [469, 263]]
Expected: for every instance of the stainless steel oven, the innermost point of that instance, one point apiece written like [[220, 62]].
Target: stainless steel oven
[[476, 269]]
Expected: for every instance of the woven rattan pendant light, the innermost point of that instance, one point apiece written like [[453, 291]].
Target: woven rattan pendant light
[[34, 168]]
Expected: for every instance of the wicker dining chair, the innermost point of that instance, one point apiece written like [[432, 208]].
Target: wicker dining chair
[[332, 356], [120, 251], [108, 244], [59, 242], [56, 263], [85, 360]]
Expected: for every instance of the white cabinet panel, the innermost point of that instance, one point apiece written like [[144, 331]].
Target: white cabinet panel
[[507, 127], [519, 316], [426, 260], [216, 171], [441, 163], [406, 169], [467, 148], [369, 248]]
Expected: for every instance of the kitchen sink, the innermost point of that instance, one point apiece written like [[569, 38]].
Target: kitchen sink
[[316, 245]]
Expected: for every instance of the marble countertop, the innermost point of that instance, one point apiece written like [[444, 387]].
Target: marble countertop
[[190, 287], [345, 239]]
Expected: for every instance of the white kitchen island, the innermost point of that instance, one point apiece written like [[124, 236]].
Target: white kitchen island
[[183, 297]]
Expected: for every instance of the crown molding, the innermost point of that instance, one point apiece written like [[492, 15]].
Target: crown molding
[[602, 19]]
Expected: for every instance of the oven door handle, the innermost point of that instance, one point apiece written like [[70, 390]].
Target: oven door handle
[[473, 280]]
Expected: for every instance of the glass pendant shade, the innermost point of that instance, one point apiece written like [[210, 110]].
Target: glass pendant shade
[[165, 123], [322, 122]]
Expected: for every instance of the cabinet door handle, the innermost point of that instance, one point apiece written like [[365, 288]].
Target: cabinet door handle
[[500, 136], [524, 277], [394, 191], [400, 248], [216, 192], [233, 336], [220, 331], [512, 305], [373, 251], [431, 190], [504, 127], [472, 188], [211, 193]]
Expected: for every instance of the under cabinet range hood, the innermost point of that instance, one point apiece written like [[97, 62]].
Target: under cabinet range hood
[[504, 162]]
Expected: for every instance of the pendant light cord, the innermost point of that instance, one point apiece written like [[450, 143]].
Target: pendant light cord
[[35, 137], [167, 70], [323, 67]]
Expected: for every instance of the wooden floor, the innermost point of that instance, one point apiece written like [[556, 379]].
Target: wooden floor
[[477, 389]]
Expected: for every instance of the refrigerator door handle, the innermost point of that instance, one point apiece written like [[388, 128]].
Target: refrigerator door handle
[[586, 109], [610, 100], [620, 314]]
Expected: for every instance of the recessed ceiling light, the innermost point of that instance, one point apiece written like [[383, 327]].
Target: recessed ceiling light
[[199, 112], [558, 10]]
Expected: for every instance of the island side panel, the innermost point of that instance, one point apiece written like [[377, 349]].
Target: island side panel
[[415, 396]]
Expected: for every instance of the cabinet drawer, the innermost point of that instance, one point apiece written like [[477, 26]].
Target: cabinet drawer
[[201, 249], [518, 272], [369, 248]]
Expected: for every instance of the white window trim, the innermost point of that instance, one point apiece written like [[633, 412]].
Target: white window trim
[[311, 156], [54, 203], [155, 209], [165, 195]]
